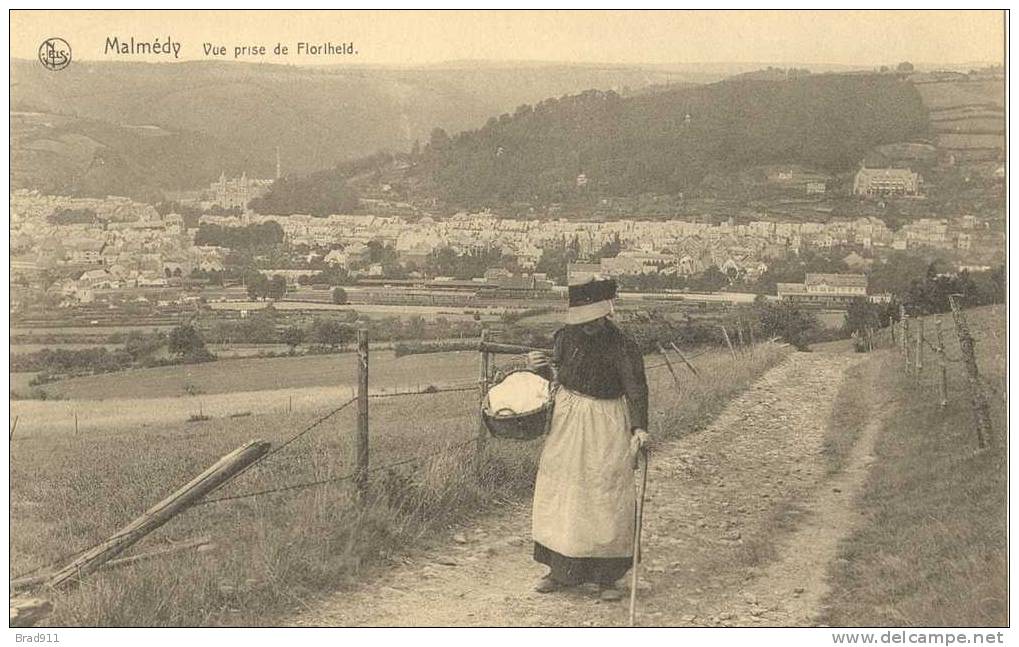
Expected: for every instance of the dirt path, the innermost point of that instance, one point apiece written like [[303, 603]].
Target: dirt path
[[742, 520]]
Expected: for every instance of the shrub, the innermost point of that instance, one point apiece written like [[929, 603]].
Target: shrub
[[788, 321], [187, 345]]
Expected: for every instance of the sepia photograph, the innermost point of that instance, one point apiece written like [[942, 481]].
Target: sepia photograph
[[509, 318]]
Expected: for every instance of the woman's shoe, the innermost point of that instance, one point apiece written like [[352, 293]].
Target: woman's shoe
[[609, 593], [548, 584]]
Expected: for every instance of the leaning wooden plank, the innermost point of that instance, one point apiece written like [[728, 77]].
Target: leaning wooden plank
[[222, 471], [728, 342], [668, 365], [34, 581], [25, 612], [685, 360]]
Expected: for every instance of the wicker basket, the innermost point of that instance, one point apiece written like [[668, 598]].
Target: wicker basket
[[518, 426]]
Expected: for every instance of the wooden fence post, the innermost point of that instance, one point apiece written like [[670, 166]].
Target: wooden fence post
[[905, 342], [75, 422], [943, 361], [14, 427], [728, 342], [750, 329], [903, 329], [361, 437], [219, 473], [918, 359], [977, 396], [891, 328], [484, 368], [739, 333]]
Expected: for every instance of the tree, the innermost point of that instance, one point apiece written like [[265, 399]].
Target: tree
[[319, 194], [710, 280], [257, 285], [185, 342], [896, 274], [292, 336], [140, 345], [786, 320], [276, 288], [331, 333], [610, 249], [555, 260], [249, 237], [339, 296], [260, 327], [861, 315], [71, 217], [905, 66]]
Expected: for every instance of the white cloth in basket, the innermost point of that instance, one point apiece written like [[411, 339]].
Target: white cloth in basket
[[520, 392]]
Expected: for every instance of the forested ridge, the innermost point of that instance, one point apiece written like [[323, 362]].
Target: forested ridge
[[670, 141]]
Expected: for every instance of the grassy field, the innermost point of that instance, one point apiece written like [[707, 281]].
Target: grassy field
[[967, 140], [267, 374], [851, 411], [971, 125], [932, 550], [97, 330], [33, 348], [276, 552], [146, 399], [952, 94], [19, 382]]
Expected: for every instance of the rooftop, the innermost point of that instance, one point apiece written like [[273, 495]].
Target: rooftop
[[838, 280]]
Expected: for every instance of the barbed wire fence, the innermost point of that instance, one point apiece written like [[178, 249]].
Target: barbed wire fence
[[81, 562], [912, 339]]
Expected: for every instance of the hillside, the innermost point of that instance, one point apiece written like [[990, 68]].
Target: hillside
[[967, 115], [173, 126], [61, 154], [670, 141]]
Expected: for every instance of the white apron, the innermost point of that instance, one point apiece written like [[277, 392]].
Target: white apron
[[584, 493]]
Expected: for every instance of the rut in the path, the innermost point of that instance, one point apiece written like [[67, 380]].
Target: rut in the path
[[720, 507]]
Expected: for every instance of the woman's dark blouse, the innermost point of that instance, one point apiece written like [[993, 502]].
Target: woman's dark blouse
[[605, 365]]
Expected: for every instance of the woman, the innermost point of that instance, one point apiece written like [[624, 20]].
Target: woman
[[583, 511]]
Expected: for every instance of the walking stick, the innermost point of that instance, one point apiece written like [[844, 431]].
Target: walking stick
[[636, 538]]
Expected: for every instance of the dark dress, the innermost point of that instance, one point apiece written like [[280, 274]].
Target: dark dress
[[603, 367]]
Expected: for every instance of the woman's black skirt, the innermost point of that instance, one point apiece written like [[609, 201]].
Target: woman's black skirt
[[580, 570]]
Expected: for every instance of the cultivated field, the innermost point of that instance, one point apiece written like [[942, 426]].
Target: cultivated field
[[277, 551]]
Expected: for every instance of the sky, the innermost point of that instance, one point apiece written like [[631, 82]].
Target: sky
[[858, 38]]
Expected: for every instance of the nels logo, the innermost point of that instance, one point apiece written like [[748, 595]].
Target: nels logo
[[55, 54]]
